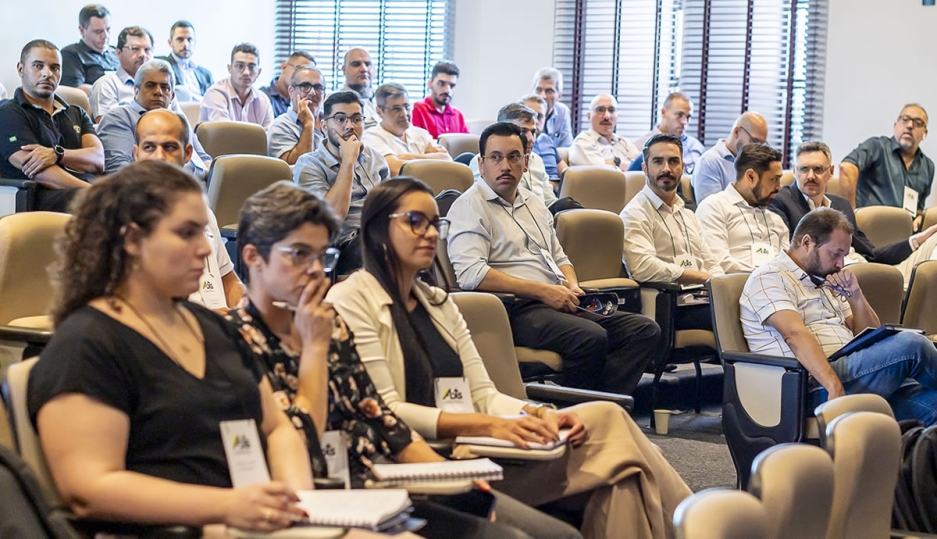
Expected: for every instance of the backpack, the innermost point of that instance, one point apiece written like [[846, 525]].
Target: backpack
[[445, 199], [916, 494], [25, 511]]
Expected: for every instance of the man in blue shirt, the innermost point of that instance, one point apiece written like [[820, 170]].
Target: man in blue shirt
[[544, 144], [674, 116], [716, 167], [548, 84]]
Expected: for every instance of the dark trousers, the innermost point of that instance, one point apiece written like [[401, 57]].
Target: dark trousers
[[694, 317], [607, 353], [350, 258], [57, 200]]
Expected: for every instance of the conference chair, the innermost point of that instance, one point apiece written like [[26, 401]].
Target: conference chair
[[190, 110], [17, 196], [795, 484], [686, 188], [787, 177], [764, 399], [74, 96], [883, 287], [227, 138], [6, 435], [930, 218], [919, 311], [721, 514], [634, 183], [598, 188], [234, 178], [860, 402], [459, 143], [833, 188], [884, 225], [475, 127], [439, 175]]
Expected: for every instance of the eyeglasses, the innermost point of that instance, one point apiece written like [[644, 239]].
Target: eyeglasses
[[241, 66], [817, 170], [135, 49], [603, 110], [343, 120], [396, 110], [918, 123], [303, 257], [419, 223], [306, 87], [497, 158], [753, 139]]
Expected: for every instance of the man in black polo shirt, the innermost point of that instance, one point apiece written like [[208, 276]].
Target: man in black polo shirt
[[45, 138], [86, 61]]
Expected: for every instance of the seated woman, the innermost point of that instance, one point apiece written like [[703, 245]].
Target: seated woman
[[409, 334], [309, 357], [130, 394]]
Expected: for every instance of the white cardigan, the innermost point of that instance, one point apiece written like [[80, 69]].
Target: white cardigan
[[364, 305]]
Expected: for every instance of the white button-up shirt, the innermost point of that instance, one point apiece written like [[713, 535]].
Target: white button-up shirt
[[731, 227], [111, 91], [591, 148], [657, 236], [414, 141]]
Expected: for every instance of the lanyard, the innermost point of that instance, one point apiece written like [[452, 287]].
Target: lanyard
[[542, 235], [686, 233], [767, 227]]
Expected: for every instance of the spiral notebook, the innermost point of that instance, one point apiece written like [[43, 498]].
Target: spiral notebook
[[438, 471], [498, 442], [369, 509]]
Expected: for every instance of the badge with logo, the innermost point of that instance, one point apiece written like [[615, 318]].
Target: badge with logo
[[910, 200], [687, 262], [761, 253], [244, 453], [453, 395], [335, 450]]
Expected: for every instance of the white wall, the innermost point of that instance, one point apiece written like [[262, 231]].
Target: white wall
[[219, 26]]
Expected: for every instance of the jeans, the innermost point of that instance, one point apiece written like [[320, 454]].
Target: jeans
[[902, 369]]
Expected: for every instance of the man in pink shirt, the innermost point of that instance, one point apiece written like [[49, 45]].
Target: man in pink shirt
[[434, 113], [234, 98]]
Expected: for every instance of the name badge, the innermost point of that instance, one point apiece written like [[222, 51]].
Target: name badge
[[761, 253], [453, 395], [910, 200], [552, 264], [244, 453], [687, 263], [335, 450]]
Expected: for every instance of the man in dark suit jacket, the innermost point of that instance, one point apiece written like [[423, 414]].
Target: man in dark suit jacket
[[190, 76]]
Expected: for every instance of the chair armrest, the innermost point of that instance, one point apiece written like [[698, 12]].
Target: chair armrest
[[229, 232], [663, 287], [569, 395], [760, 359], [19, 184], [92, 528], [327, 483], [22, 334]]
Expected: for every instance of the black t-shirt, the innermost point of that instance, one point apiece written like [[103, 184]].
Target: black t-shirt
[[443, 360], [83, 65], [174, 416]]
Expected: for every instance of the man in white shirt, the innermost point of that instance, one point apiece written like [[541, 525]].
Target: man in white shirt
[[600, 145], [298, 131], [501, 239], [396, 138], [802, 304], [738, 227], [134, 48], [359, 76], [715, 168]]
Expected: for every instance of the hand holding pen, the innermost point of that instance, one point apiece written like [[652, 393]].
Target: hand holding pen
[[843, 283]]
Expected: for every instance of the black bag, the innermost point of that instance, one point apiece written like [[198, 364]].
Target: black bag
[[916, 494], [445, 199], [25, 511]]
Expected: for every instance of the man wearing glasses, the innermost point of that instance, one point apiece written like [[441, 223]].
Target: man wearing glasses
[[134, 48], [502, 240], [279, 89], [342, 170], [600, 145], [891, 171], [395, 137], [715, 169], [298, 131], [234, 98]]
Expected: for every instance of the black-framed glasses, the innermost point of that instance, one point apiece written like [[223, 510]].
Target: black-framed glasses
[[818, 170], [752, 138], [343, 120], [918, 123], [303, 257], [307, 87], [496, 158], [419, 223]]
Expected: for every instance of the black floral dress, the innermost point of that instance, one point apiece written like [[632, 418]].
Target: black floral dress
[[355, 407]]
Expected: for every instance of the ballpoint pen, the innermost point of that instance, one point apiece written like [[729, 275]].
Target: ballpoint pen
[[842, 292]]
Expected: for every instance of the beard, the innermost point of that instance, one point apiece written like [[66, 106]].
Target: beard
[[815, 267]]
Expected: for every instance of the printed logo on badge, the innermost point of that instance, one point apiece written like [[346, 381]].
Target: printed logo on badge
[[452, 394], [328, 450], [241, 443], [207, 286], [762, 251], [686, 264]]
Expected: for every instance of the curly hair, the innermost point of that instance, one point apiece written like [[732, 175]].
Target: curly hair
[[92, 262]]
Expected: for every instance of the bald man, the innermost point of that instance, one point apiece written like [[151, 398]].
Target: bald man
[[715, 169], [359, 76], [599, 145]]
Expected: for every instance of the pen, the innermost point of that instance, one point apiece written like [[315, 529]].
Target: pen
[[837, 289]]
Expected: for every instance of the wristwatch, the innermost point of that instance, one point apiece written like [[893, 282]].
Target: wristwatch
[[617, 161], [59, 154]]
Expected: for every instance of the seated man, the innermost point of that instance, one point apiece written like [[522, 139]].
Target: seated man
[[502, 240], [395, 137], [545, 145], [548, 84], [737, 227], [341, 170], [164, 135], [813, 169], [600, 145], [716, 167], [803, 305], [46, 139], [434, 113], [891, 171], [359, 75], [195, 79], [134, 48], [153, 89], [674, 116], [279, 89], [298, 131], [85, 62], [234, 98], [663, 240]]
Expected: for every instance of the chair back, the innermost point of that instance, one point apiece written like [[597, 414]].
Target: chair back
[[795, 484], [884, 225], [593, 240], [930, 217], [919, 309], [862, 402], [6, 434], [833, 188], [191, 111], [487, 321], [27, 249], [787, 177], [227, 138], [724, 294], [476, 127], [720, 514], [866, 450], [883, 287], [75, 96], [459, 143], [233, 178], [597, 188], [444, 265], [439, 175], [686, 187], [634, 182]]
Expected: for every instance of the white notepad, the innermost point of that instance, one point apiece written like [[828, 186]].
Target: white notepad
[[438, 471], [498, 442], [354, 508]]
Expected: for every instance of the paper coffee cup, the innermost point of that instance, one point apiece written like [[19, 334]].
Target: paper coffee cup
[[661, 421]]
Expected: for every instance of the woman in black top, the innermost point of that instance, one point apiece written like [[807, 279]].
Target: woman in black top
[[129, 395]]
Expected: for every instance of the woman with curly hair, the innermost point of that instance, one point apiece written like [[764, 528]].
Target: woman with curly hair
[[129, 395]]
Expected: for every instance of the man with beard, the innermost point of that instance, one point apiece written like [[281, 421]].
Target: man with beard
[[434, 113], [298, 131], [342, 170], [737, 226], [134, 48], [600, 145], [674, 116], [195, 79], [802, 304], [359, 74], [234, 98], [45, 139], [395, 138], [501, 239], [716, 167], [891, 171]]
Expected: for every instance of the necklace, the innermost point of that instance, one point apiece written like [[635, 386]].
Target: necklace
[[152, 328]]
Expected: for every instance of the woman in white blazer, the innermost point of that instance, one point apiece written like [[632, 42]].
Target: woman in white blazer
[[415, 343]]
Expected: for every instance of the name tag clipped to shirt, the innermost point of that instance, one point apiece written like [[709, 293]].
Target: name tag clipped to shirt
[[761, 253], [244, 453], [687, 262], [335, 451], [910, 200], [210, 287], [552, 264], [453, 395]]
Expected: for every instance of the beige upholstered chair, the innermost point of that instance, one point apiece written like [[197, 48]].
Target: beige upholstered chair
[[598, 188], [919, 308], [883, 286], [475, 127], [787, 177], [6, 435], [191, 111], [228, 138], [439, 175], [862, 402], [686, 187], [74, 96], [721, 514], [233, 178], [459, 143], [833, 188], [930, 217], [884, 225], [634, 182]]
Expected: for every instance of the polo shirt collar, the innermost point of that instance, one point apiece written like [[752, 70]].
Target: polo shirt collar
[[292, 115], [723, 150], [58, 104], [489, 194], [432, 107], [137, 107], [658, 202], [326, 156]]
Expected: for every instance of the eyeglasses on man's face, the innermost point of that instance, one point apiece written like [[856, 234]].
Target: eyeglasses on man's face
[[308, 87], [302, 256], [343, 120], [751, 137], [496, 158], [918, 122], [818, 170], [419, 223]]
